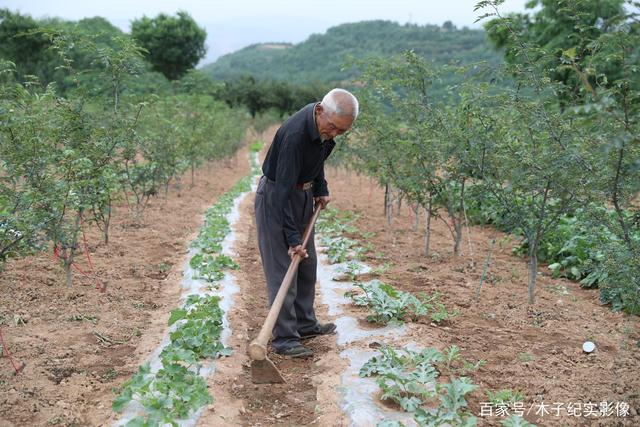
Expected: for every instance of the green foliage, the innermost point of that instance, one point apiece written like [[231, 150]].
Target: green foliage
[[170, 394], [198, 335], [260, 96], [530, 161], [389, 305], [452, 408], [331, 226], [621, 268], [173, 44], [504, 397], [211, 268], [590, 48], [64, 159], [409, 378], [177, 390], [561, 36], [579, 247], [27, 49]]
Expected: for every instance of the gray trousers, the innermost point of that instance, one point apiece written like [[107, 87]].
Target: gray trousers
[[297, 315]]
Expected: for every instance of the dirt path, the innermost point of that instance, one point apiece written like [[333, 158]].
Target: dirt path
[[237, 400], [308, 396]]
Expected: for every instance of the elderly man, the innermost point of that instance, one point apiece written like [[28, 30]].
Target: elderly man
[[293, 179]]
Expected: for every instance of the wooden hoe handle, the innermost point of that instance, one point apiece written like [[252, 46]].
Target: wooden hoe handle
[[258, 347]]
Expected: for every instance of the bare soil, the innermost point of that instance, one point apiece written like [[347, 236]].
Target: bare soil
[[535, 348], [77, 343]]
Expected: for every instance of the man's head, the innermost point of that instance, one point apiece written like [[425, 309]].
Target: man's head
[[336, 113]]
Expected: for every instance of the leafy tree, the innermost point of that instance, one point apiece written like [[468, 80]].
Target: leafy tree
[[559, 34], [174, 44], [21, 43], [591, 48]]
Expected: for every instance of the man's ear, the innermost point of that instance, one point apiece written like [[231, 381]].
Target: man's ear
[[319, 109]]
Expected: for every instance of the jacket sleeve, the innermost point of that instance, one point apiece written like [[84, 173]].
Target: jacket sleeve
[[287, 172], [320, 187]]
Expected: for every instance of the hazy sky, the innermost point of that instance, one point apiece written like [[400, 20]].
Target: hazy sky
[[233, 24]]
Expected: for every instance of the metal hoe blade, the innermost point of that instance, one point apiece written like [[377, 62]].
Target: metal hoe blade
[[265, 372]]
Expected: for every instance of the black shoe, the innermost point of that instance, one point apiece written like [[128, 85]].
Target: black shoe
[[296, 351], [321, 329]]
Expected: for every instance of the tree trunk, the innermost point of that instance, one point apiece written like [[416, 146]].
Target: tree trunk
[[533, 270], [69, 252], [458, 221], [386, 199], [485, 269], [67, 269], [389, 205], [416, 213], [458, 232], [107, 222], [427, 232]]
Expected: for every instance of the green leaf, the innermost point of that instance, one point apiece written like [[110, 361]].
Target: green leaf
[[177, 314]]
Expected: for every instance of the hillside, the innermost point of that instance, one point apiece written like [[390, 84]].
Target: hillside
[[322, 56]]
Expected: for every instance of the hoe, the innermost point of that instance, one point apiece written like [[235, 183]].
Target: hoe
[[263, 371]]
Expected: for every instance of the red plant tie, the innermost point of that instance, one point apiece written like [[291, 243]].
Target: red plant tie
[[6, 353]]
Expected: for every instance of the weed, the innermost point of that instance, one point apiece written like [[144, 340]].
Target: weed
[[80, 317], [163, 267], [525, 357], [558, 289], [505, 397], [110, 375]]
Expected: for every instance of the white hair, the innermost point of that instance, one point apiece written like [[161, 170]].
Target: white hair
[[340, 102]]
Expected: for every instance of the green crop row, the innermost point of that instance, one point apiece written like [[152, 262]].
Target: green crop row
[[410, 379], [332, 224], [390, 305], [387, 304], [177, 390]]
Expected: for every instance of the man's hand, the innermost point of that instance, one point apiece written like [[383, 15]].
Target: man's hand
[[298, 250], [323, 200]]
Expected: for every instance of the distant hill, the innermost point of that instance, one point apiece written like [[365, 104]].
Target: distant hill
[[321, 57]]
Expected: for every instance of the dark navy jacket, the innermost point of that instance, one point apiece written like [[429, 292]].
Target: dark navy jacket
[[296, 156]]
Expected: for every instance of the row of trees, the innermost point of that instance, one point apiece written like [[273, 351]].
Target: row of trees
[[67, 156], [171, 45], [269, 96], [553, 134]]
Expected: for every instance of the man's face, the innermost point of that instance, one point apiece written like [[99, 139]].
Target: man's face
[[331, 125]]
